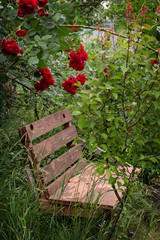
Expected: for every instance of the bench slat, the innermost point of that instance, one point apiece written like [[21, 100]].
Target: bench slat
[[50, 145], [46, 124], [63, 179], [57, 166]]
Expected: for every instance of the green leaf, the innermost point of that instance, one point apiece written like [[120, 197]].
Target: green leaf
[[81, 123], [124, 69], [156, 105], [2, 58], [112, 180], [125, 180], [100, 171], [42, 44], [153, 159], [108, 171], [119, 184], [113, 66], [64, 45], [66, 7], [36, 38], [92, 140], [53, 47], [33, 60], [156, 94], [104, 147], [115, 95], [116, 77], [41, 64], [93, 147], [46, 37], [59, 18], [76, 113], [105, 136]]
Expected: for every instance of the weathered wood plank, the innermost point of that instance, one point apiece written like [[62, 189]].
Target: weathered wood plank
[[50, 145], [57, 166], [46, 124], [63, 179], [49, 206]]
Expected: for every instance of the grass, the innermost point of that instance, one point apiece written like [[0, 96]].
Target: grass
[[19, 211]]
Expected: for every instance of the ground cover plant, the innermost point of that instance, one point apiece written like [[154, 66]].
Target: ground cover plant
[[114, 95]]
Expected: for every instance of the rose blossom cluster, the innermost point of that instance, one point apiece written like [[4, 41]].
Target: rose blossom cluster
[[69, 86], [77, 59], [10, 47], [46, 80], [27, 7]]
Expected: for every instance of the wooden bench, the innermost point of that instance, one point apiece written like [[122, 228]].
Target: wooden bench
[[67, 183]]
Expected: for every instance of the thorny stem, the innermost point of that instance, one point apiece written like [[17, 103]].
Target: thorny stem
[[124, 82], [123, 200], [116, 192], [105, 30], [35, 107], [150, 87], [141, 116]]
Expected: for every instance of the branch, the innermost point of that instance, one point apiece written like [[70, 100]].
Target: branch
[[117, 194], [141, 116], [105, 30]]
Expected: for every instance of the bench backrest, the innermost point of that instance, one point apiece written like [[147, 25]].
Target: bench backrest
[[43, 149]]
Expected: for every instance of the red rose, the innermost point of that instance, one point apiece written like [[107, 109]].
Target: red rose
[[41, 12], [154, 61], [26, 7], [42, 3], [105, 70], [43, 70], [46, 81], [85, 56], [77, 59], [48, 78], [20, 13], [21, 33], [81, 78], [69, 86], [10, 47], [38, 87]]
